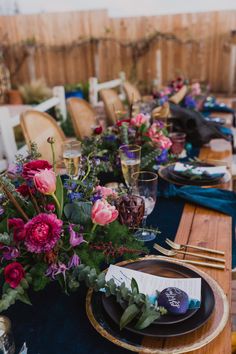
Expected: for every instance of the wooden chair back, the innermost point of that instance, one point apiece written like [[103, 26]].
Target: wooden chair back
[[112, 103], [38, 127], [132, 93], [83, 117]]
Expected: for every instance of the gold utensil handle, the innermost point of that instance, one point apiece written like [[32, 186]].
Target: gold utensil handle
[[221, 260], [205, 249], [209, 265]]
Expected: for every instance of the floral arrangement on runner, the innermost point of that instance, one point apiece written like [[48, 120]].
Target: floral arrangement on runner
[[52, 227], [194, 98], [140, 130]]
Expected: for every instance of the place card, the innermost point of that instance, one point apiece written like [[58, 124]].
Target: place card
[[199, 170], [148, 284]]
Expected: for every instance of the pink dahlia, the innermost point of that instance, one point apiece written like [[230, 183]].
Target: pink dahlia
[[42, 233]]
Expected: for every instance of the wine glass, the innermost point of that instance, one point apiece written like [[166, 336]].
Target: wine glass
[[72, 157], [130, 156], [144, 184]]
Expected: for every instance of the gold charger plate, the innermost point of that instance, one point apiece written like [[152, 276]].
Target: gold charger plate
[[201, 337]]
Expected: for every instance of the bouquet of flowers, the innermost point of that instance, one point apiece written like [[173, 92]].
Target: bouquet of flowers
[[140, 130], [194, 98], [56, 229]]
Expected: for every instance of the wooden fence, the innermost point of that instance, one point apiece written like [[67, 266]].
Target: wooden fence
[[71, 47]]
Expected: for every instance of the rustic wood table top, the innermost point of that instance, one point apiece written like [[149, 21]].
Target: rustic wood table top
[[204, 227]]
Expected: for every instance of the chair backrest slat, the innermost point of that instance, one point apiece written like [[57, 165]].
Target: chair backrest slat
[[38, 127], [132, 93], [112, 104], [83, 117]]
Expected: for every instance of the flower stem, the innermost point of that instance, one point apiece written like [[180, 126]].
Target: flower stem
[[93, 228], [58, 204], [89, 168]]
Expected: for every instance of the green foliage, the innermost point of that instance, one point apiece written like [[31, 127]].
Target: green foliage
[[124, 133], [138, 305], [78, 212], [39, 280], [60, 195], [67, 127], [5, 238], [148, 160], [10, 296]]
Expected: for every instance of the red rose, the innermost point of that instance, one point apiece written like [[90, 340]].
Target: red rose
[[13, 273], [17, 225], [33, 167], [23, 190], [120, 122], [98, 130]]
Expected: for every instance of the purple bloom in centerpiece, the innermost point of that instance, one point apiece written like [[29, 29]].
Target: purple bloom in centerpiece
[[75, 196], [163, 157], [75, 238], [110, 138], [190, 102], [1, 210], [56, 269], [74, 261], [130, 154], [9, 253], [70, 185]]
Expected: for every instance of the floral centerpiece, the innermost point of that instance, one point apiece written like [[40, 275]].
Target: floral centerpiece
[[194, 98], [56, 229], [140, 130]]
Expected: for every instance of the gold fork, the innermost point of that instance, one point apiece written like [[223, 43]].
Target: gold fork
[[171, 253], [199, 255], [178, 246]]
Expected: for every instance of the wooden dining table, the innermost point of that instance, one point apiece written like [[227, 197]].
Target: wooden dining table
[[204, 227]]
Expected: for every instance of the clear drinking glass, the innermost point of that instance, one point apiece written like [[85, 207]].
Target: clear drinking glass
[[130, 156], [144, 184], [72, 157]]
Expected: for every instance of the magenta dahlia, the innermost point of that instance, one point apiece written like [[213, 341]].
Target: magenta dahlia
[[42, 233]]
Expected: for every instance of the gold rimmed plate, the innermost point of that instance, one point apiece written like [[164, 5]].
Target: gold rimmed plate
[[110, 316]]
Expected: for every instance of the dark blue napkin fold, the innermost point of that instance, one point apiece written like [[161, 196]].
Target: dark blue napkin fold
[[220, 200]]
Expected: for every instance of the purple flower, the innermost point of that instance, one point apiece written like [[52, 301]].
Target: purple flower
[[75, 238], [9, 253], [110, 138], [70, 185], [56, 269], [75, 196], [74, 261], [1, 210], [51, 271], [163, 157], [95, 197], [190, 102]]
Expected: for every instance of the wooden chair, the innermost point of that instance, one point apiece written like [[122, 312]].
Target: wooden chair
[[83, 117], [38, 127], [132, 93], [112, 103]]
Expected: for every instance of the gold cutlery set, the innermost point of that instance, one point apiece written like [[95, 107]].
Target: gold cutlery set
[[180, 249]]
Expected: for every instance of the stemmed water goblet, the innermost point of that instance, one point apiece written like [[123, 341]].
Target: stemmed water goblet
[[144, 184]]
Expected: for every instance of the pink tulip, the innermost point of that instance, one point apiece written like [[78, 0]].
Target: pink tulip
[[105, 192], [139, 120], [158, 138], [45, 181], [103, 213]]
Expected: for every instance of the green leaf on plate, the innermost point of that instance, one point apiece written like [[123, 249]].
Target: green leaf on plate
[[130, 313]]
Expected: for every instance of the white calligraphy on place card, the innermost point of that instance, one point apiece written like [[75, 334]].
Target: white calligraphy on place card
[[180, 167], [148, 284]]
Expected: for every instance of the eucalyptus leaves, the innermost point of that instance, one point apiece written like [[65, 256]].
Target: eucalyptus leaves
[[138, 309]]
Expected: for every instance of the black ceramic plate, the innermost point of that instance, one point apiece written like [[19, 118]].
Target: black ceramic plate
[[164, 269], [168, 174]]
